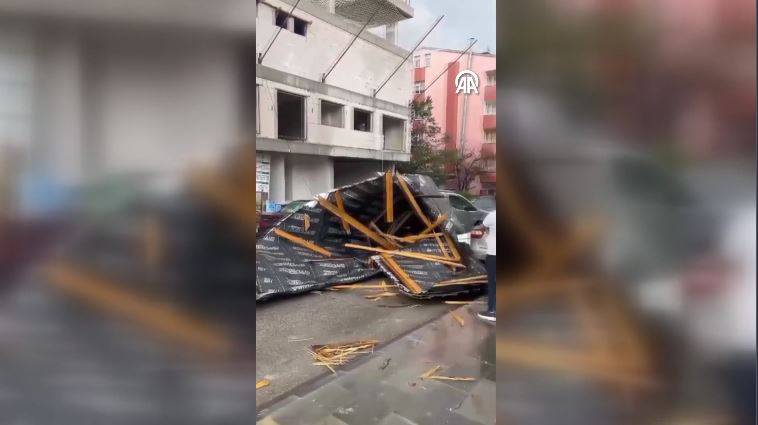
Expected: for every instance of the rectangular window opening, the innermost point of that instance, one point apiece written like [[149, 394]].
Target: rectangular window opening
[[393, 130], [300, 26], [361, 120], [418, 87], [281, 19], [489, 108], [491, 78], [332, 114], [290, 114]]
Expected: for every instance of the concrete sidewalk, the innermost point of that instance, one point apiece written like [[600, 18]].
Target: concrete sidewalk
[[385, 387], [285, 328]]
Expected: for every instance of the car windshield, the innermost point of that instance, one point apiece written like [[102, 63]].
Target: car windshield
[[292, 207], [460, 203], [486, 203]]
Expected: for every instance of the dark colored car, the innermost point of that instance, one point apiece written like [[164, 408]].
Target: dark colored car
[[268, 219]]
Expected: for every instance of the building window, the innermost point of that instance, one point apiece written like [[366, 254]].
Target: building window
[[489, 136], [281, 19], [491, 78], [300, 26], [291, 23], [361, 120], [418, 87], [290, 116], [489, 108], [393, 130], [417, 61], [460, 203], [427, 60], [332, 114]]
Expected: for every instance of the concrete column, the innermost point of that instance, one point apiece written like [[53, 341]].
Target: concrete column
[[390, 32], [308, 175], [277, 183]]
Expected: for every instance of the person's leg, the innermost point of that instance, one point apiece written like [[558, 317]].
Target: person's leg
[[489, 314], [739, 377], [491, 270]]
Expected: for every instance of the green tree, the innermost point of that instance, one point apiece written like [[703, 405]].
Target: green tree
[[428, 155]]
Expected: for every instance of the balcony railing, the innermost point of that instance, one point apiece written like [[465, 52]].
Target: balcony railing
[[419, 74], [489, 122], [488, 150], [487, 177], [490, 92]]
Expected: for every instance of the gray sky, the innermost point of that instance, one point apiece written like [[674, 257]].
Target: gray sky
[[463, 19]]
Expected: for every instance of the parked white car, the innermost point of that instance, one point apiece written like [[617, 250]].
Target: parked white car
[[477, 241]]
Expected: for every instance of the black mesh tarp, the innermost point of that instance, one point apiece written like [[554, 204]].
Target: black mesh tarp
[[285, 268]]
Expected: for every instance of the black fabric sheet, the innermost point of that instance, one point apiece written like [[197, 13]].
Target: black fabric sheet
[[285, 268]]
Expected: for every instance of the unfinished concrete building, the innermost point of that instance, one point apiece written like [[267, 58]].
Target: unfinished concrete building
[[321, 122]]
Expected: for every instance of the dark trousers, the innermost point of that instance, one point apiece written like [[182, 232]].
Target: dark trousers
[[738, 375], [491, 266]]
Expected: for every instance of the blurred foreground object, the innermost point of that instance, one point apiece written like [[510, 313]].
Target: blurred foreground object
[[616, 348], [642, 114]]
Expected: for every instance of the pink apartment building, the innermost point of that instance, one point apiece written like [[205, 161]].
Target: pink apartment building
[[468, 120]]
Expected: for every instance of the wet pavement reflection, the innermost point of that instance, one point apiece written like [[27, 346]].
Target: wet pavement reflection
[[386, 388]]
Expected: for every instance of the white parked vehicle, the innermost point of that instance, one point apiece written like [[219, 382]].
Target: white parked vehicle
[[477, 240]]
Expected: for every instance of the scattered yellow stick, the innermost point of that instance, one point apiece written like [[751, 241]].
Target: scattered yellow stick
[[262, 383], [431, 371], [458, 319], [466, 279], [430, 374], [381, 295], [451, 378]]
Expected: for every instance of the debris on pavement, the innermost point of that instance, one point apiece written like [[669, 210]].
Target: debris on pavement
[[385, 363], [458, 319], [391, 224], [431, 371], [262, 383], [338, 354], [374, 297], [454, 302], [430, 374]]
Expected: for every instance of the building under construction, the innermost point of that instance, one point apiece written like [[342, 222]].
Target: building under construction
[[332, 95]]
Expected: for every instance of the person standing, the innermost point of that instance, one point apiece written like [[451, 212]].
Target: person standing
[[491, 264]]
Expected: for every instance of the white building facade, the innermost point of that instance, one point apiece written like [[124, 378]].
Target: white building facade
[[316, 133]]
